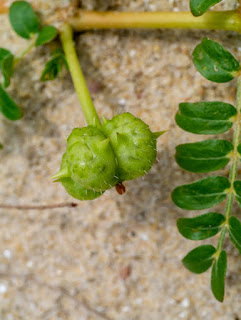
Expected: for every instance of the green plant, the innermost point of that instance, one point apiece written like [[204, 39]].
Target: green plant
[[98, 156], [104, 154], [26, 24], [217, 65]]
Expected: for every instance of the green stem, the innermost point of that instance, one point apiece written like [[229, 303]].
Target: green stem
[[221, 240], [91, 116], [234, 167], [212, 20], [235, 157], [25, 51]]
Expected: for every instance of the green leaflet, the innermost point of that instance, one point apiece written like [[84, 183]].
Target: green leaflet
[[1, 146], [54, 66], [205, 117], [201, 227], [199, 259], [204, 156], [237, 188], [8, 107], [202, 194], [214, 62], [4, 53], [235, 232], [218, 276], [239, 148], [199, 7], [23, 19], [47, 34], [6, 65]]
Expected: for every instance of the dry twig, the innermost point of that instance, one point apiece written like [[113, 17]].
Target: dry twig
[[39, 207]]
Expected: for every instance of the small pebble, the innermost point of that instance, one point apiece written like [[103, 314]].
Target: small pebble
[[7, 254], [3, 288]]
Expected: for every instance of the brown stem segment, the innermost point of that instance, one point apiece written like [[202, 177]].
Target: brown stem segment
[[39, 207]]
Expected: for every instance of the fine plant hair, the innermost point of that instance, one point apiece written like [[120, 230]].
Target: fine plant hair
[[106, 153]]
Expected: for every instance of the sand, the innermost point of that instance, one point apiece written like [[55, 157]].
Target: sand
[[117, 257]]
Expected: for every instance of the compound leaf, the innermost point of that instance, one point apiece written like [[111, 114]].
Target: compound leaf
[[235, 232], [204, 156], [47, 34], [199, 259], [23, 19], [8, 107], [201, 227], [205, 117], [54, 66], [199, 7], [218, 276], [202, 194], [214, 62]]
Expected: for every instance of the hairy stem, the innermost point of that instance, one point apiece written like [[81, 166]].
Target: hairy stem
[[91, 116], [217, 20], [234, 167]]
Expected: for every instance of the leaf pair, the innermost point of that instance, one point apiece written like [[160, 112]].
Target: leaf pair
[[26, 23], [208, 225], [201, 259]]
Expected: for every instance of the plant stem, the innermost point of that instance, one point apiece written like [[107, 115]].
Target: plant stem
[[91, 116], [235, 157], [217, 20], [221, 240], [234, 167], [25, 51]]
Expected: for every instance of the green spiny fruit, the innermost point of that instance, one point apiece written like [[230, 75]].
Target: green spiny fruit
[[133, 143], [96, 160], [89, 161], [74, 188]]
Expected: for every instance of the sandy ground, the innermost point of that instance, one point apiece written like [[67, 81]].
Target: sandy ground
[[118, 257]]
